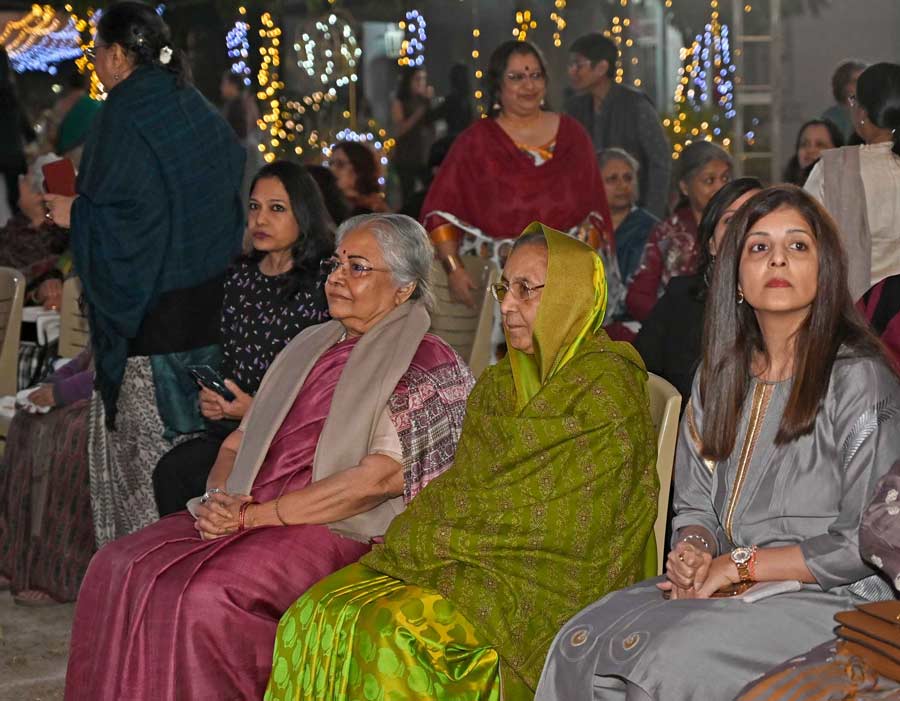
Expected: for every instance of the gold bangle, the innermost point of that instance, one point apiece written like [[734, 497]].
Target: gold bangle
[[442, 234], [278, 514], [451, 263]]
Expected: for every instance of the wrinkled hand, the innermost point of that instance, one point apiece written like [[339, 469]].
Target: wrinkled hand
[[219, 516], [59, 209], [42, 396], [722, 572], [215, 407], [687, 568], [461, 286], [49, 294]]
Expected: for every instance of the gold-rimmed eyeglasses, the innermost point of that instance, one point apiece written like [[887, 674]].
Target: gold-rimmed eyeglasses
[[520, 290], [353, 268]]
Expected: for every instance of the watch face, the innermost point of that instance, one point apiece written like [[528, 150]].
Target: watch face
[[741, 555]]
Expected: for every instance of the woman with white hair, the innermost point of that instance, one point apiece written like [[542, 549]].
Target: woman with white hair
[[354, 417]]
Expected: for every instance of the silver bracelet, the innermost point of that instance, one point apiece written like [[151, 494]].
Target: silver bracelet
[[208, 493], [697, 536]]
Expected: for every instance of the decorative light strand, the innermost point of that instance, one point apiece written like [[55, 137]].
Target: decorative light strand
[[412, 50], [237, 44], [328, 51], [559, 21], [269, 87], [375, 140], [525, 22], [478, 94]]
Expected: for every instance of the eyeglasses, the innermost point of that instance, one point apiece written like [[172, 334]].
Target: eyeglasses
[[91, 51], [520, 290], [578, 65], [535, 77], [338, 163], [356, 270]]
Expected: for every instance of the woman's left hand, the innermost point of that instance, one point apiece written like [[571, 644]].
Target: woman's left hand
[[42, 396], [722, 573], [220, 515], [59, 209]]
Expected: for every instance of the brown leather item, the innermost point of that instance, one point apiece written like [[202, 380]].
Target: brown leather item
[[885, 610], [888, 633], [867, 641], [885, 666]]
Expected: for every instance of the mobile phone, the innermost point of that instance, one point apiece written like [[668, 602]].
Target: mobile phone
[[59, 177], [209, 378]]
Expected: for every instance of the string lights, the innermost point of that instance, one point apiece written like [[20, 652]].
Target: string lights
[[560, 23], [412, 50], [525, 22], [376, 140], [620, 34], [40, 40], [704, 96], [237, 43], [476, 55], [269, 86]]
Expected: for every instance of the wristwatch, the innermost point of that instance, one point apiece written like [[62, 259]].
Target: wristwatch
[[743, 557]]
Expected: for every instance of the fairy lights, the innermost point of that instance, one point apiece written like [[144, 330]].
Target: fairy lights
[[269, 87], [237, 44], [525, 23], [559, 21], [40, 40], [376, 141], [328, 51], [412, 50], [704, 96], [476, 54]]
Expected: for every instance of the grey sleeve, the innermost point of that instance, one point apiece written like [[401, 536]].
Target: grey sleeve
[[864, 406], [693, 474], [657, 158]]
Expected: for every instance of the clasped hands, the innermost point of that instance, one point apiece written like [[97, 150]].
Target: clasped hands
[[219, 515], [693, 573]]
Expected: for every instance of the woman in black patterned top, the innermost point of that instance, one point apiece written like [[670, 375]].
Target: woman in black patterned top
[[271, 295]]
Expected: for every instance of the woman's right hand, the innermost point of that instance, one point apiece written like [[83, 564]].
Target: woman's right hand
[[42, 396], [461, 286], [210, 406], [686, 570]]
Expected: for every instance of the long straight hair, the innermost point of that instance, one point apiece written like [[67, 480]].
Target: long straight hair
[[732, 335]]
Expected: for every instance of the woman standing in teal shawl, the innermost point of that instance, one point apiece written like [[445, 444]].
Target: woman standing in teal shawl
[[550, 502]]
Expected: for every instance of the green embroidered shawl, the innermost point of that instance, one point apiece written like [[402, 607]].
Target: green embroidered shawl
[[549, 505]]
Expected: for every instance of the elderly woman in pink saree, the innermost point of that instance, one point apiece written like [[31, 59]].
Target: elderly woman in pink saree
[[352, 419]]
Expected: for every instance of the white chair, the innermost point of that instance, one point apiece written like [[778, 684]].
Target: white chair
[[74, 333], [467, 330], [665, 405], [12, 299]]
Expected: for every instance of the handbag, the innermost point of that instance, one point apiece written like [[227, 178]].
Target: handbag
[[872, 632]]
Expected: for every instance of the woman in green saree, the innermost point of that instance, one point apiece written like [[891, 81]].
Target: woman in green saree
[[550, 504]]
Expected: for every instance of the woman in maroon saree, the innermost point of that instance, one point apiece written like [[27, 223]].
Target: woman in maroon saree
[[352, 419]]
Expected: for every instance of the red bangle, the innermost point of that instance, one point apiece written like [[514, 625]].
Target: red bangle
[[241, 513]]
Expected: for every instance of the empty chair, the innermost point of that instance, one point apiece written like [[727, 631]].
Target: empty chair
[[665, 405]]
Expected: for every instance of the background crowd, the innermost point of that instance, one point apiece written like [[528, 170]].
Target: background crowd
[[265, 450]]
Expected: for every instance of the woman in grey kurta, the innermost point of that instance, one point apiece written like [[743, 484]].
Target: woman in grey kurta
[[809, 492]]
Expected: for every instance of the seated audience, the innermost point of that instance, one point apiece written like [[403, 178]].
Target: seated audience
[[271, 295], [550, 502], [46, 532], [672, 249], [815, 136], [792, 421], [631, 224], [351, 421], [355, 166], [881, 308], [670, 340], [843, 668], [860, 185]]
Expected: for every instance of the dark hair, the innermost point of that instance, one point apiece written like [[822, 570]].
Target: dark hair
[[8, 97], [74, 79], [595, 48], [731, 333], [316, 238], [143, 34], [497, 67], [878, 93], [404, 83], [842, 75], [5, 67], [335, 203], [364, 163], [706, 229], [793, 172]]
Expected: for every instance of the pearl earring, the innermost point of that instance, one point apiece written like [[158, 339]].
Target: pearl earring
[[740, 297]]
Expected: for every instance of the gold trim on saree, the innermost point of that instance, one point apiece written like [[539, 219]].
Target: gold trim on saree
[[695, 437], [762, 393]]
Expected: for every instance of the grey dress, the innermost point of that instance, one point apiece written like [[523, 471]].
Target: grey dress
[[634, 645]]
